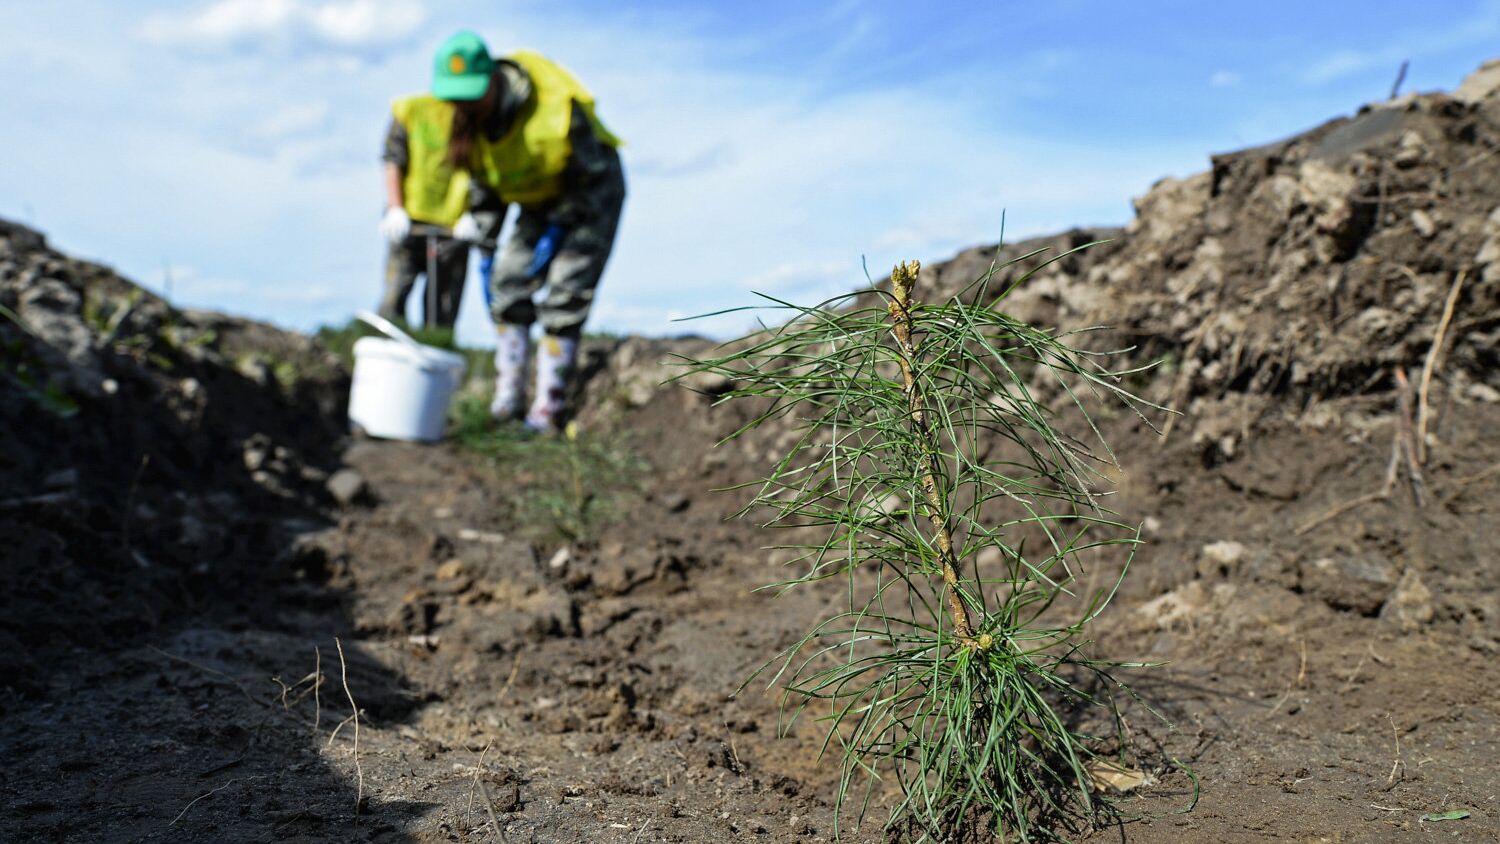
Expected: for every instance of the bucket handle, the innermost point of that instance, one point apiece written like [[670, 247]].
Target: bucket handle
[[389, 329]]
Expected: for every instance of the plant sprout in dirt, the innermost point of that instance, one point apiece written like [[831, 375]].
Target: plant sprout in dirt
[[940, 469], [565, 488]]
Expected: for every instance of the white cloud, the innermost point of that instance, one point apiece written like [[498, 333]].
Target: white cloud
[[802, 275], [223, 22], [361, 22], [1224, 79], [345, 23], [1344, 63], [293, 120], [1481, 27]]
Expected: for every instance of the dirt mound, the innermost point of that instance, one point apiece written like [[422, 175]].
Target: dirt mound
[[1298, 594], [1301, 270], [156, 459]]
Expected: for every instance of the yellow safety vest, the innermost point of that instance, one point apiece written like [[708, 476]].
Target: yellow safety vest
[[433, 190], [525, 165]]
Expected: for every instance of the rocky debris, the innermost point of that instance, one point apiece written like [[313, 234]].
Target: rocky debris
[[173, 479], [620, 572], [348, 487], [1359, 584], [1481, 85], [1186, 607], [1220, 559], [615, 568], [1481, 621], [1410, 603], [1298, 271], [484, 537]]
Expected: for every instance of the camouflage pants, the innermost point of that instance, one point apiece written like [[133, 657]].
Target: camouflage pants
[[407, 260], [572, 276]]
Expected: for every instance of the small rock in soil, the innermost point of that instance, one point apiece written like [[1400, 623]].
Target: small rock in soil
[[1357, 584], [488, 537], [1410, 605], [257, 450], [61, 479], [619, 574], [1220, 558], [347, 487], [1423, 223]]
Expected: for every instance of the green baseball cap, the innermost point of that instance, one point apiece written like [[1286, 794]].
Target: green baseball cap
[[462, 68]]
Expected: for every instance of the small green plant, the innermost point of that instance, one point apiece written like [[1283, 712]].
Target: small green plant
[[340, 339], [27, 372], [565, 487], [929, 473]]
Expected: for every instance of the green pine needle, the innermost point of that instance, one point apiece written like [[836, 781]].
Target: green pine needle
[[975, 698]]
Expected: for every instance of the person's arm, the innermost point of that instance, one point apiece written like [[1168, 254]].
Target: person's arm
[[393, 179], [396, 157], [395, 223]]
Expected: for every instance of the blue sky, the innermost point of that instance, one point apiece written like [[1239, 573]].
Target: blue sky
[[232, 145]]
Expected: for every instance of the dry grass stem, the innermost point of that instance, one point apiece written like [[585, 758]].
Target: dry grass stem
[[1398, 766], [1391, 470], [1404, 452], [359, 770], [211, 792], [1408, 436], [317, 688], [1430, 366], [478, 767], [489, 808], [515, 667]]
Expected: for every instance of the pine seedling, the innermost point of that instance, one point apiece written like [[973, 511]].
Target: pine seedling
[[938, 467]]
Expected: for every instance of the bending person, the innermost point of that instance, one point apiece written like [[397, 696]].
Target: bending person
[[525, 131], [418, 184]]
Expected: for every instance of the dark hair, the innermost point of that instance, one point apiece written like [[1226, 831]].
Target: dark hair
[[467, 115]]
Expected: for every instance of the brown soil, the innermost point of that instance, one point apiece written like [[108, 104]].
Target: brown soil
[[1329, 656]]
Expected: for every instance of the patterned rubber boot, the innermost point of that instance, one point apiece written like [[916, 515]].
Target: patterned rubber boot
[[554, 363], [512, 344]]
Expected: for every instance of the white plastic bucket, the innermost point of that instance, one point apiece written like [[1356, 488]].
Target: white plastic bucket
[[400, 389]]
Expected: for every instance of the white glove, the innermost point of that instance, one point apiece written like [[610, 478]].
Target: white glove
[[467, 228], [395, 225]]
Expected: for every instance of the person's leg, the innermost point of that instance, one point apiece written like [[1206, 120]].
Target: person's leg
[[512, 345], [511, 286], [574, 272], [571, 281], [403, 261], [453, 271], [513, 312], [491, 221]]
